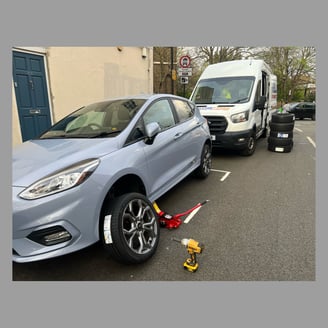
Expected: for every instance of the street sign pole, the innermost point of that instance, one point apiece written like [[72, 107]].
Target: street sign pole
[[184, 71]]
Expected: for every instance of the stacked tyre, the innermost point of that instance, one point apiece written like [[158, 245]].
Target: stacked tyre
[[281, 132]]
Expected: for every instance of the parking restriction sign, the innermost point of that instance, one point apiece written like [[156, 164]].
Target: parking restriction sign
[[185, 61]]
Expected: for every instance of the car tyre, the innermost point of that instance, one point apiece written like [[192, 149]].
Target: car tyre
[[205, 166], [130, 229], [280, 141], [284, 135], [282, 118], [281, 127], [281, 149], [281, 133]]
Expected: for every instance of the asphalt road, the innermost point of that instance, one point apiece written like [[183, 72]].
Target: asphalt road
[[259, 224]]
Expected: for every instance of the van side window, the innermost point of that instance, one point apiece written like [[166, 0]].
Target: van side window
[[258, 92]]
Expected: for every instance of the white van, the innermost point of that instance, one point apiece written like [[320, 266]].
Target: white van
[[237, 98]]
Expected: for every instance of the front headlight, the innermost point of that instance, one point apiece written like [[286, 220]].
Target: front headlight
[[240, 117], [67, 178]]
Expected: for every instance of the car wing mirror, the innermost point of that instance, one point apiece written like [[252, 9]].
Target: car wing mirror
[[152, 129]]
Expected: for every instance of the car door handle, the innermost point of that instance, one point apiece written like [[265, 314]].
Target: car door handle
[[178, 135]]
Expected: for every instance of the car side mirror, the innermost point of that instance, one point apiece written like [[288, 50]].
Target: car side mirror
[[261, 103], [152, 129]]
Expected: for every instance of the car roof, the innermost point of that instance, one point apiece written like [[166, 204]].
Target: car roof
[[147, 95], [306, 102], [151, 96]]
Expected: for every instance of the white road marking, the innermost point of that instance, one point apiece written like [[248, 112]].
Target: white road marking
[[191, 215], [312, 142], [225, 175], [299, 130]]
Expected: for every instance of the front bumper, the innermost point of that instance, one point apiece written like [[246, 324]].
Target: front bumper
[[231, 140], [54, 225]]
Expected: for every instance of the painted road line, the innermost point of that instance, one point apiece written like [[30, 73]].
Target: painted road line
[[191, 215], [312, 142], [299, 130], [225, 175]]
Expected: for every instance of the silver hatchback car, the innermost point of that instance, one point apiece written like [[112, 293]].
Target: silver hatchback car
[[95, 174]]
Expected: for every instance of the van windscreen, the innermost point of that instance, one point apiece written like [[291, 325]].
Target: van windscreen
[[223, 90]]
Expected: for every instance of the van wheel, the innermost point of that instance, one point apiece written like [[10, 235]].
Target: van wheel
[[129, 229], [251, 145]]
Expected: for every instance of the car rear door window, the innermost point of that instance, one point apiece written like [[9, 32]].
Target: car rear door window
[[183, 109]]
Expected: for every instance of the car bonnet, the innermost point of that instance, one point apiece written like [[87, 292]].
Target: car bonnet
[[36, 159]]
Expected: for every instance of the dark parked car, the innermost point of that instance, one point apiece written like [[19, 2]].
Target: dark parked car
[[94, 175], [302, 110]]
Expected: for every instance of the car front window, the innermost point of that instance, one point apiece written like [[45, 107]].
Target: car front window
[[107, 118], [160, 112]]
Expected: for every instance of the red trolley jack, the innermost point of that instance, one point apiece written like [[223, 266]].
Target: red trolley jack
[[173, 221]]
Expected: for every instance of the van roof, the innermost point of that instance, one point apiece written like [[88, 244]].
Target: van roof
[[245, 67]]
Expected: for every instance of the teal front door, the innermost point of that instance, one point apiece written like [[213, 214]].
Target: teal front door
[[30, 86]]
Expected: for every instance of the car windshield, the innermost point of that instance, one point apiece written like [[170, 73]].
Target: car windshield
[[107, 118], [225, 90]]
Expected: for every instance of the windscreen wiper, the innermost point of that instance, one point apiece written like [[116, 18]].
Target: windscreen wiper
[[239, 100], [105, 134]]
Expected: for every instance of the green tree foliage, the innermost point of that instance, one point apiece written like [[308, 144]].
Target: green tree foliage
[[295, 68]]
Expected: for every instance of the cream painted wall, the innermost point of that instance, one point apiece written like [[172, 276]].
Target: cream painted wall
[[16, 132], [81, 75]]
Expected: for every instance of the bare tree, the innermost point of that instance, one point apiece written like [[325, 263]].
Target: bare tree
[[163, 69], [216, 54], [203, 56]]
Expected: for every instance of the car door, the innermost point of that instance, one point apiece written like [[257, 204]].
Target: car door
[[301, 110], [170, 156], [190, 139], [309, 110]]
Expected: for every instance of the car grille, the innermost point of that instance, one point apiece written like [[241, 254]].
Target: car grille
[[217, 124]]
